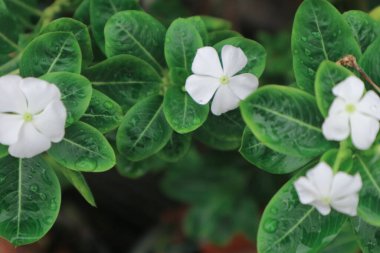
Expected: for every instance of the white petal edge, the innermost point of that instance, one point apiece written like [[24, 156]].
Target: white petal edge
[[39, 93], [336, 127], [30, 143], [345, 184], [307, 193], [51, 122], [233, 60], [321, 176], [351, 89], [370, 104], [10, 126], [337, 107], [364, 130], [322, 208], [347, 205], [224, 100], [207, 63], [201, 88], [12, 98], [243, 85]]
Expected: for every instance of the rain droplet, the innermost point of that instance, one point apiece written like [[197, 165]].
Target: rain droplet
[[108, 105], [43, 196], [86, 164], [34, 188], [270, 225]]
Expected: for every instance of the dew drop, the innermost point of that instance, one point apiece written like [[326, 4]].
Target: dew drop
[[270, 225], [86, 164], [43, 196], [34, 188], [53, 205], [108, 105]]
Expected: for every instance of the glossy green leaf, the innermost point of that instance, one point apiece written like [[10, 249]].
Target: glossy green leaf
[[215, 24], [135, 170], [367, 164], [181, 44], [222, 132], [83, 149], [183, 114], [218, 36], [371, 60], [3, 151], [126, 79], [319, 33], [176, 148], [75, 178], [367, 235], [266, 159], [345, 242], [286, 120], [103, 113], [138, 34], [328, 75], [144, 130], [289, 226], [76, 92], [30, 202], [51, 52], [78, 29], [363, 26], [255, 53], [102, 10], [199, 24]]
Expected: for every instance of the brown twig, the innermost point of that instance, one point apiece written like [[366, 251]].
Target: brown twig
[[350, 61]]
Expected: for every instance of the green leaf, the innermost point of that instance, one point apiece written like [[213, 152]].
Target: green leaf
[[328, 75], [102, 10], [51, 52], [289, 226], [367, 235], [344, 242], [135, 170], [176, 148], [266, 159], [3, 151], [222, 132], [138, 34], [363, 26], [75, 178], [218, 36], [84, 149], [78, 29], [198, 23], [215, 24], [181, 44], [371, 60], [183, 114], [144, 130], [30, 202], [124, 78], [82, 13], [319, 33], [76, 93], [286, 120], [367, 165], [9, 31], [254, 51], [103, 113]]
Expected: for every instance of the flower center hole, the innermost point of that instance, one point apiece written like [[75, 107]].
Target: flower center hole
[[28, 117], [224, 80], [350, 108]]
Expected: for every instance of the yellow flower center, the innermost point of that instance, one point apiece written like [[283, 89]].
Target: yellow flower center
[[224, 80], [326, 200], [350, 108], [28, 117]]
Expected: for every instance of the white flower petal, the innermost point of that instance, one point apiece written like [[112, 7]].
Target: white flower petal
[[233, 59], [321, 177], [39, 93], [336, 127], [207, 63], [363, 130], [345, 184], [51, 122], [10, 125], [322, 208], [243, 85], [306, 191], [347, 205], [12, 98], [224, 100], [30, 143], [351, 89], [370, 104], [337, 107], [201, 88]]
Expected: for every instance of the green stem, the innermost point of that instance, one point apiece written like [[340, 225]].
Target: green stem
[[339, 158], [28, 8], [10, 66]]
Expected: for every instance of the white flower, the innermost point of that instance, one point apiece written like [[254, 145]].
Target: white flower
[[32, 115], [323, 190], [210, 79], [352, 113]]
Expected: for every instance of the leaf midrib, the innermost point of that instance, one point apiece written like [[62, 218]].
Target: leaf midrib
[[84, 148], [19, 205], [58, 56], [320, 32], [314, 128]]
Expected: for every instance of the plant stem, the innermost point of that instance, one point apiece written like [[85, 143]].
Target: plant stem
[[10, 66], [350, 61], [339, 157]]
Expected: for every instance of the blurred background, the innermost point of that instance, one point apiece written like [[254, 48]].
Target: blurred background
[[193, 206]]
